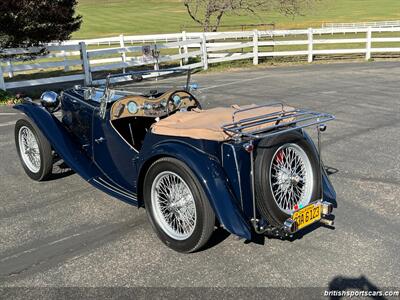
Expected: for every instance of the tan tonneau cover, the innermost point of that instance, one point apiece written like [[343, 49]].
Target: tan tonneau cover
[[206, 124]]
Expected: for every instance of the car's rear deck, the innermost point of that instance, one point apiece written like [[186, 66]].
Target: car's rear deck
[[208, 124]]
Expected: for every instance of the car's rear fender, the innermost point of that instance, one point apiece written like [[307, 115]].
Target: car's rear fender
[[329, 193], [60, 140], [211, 176]]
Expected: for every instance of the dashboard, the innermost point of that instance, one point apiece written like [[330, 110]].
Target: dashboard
[[163, 105]]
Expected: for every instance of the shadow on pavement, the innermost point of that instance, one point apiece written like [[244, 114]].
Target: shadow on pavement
[[341, 284], [218, 236], [60, 170]]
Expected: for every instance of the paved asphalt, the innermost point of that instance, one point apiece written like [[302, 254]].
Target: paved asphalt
[[66, 233]]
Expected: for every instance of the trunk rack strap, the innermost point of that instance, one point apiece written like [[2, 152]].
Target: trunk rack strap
[[283, 120]]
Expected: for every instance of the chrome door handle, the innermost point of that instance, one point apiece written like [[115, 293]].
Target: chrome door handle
[[99, 140]]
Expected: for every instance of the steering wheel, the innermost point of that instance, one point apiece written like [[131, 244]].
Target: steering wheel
[[175, 101]]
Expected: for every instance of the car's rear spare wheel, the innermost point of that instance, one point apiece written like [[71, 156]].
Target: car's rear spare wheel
[[177, 206], [287, 176]]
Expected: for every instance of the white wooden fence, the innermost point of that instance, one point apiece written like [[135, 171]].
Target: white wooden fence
[[378, 24], [90, 60]]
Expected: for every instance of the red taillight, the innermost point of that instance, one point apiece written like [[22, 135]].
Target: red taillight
[[249, 147]]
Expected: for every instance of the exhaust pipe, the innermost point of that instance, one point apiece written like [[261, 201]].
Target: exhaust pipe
[[327, 208], [290, 226]]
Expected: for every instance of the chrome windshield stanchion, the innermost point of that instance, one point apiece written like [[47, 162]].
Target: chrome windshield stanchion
[[104, 99]]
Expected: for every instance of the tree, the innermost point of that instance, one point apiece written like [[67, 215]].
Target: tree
[[209, 13], [29, 23]]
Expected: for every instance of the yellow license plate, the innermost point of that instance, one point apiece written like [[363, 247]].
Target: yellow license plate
[[307, 215]]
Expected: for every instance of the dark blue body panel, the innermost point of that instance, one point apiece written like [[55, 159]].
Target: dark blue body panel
[[94, 149], [60, 139], [77, 118], [202, 157], [236, 163], [114, 156], [72, 152]]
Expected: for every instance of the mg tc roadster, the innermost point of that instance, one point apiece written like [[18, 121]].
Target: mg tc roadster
[[252, 170]]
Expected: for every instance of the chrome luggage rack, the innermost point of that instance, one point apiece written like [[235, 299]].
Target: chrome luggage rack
[[283, 121]]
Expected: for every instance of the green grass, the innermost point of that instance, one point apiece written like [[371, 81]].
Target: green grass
[[113, 17]]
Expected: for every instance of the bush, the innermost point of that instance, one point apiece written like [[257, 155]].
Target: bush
[[8, 98]]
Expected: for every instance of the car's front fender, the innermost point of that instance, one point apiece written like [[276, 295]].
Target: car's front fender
[[59, 139], [211, 176]]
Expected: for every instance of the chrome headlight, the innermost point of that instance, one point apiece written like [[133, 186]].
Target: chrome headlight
[[50, 100]]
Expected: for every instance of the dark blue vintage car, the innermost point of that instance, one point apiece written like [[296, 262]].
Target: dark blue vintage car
[[252, 170]]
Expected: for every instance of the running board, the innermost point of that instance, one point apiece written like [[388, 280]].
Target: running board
[[108, 187]]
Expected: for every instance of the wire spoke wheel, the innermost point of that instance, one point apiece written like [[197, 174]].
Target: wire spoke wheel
[[291, 178], [174, 206], [29, 149]]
